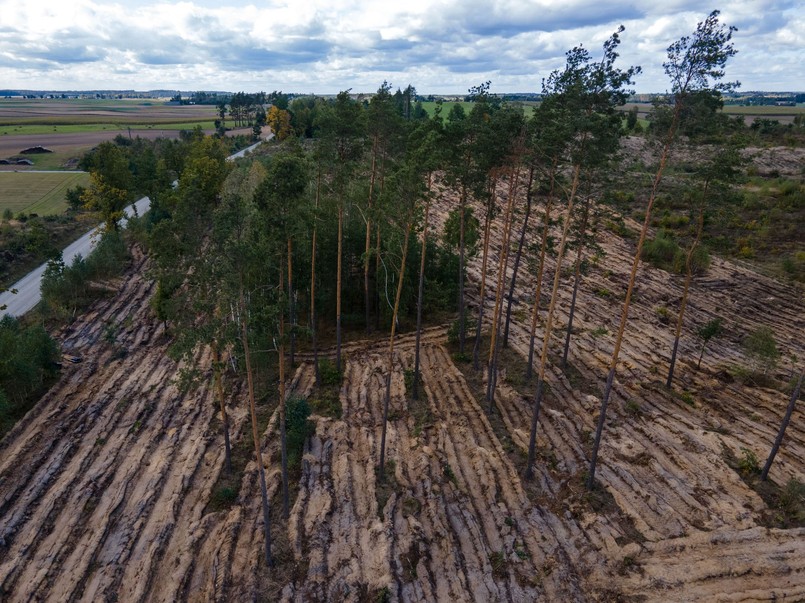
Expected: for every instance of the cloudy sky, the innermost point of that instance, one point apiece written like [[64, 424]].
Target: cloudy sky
[[323, 46]]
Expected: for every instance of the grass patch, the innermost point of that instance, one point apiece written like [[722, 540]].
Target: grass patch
[[385, 488], [785, 504], [418, 409], [30, 129], [37, 193], [499, 563]]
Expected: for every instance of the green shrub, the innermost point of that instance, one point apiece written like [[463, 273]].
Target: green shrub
[[66, 289], [661, 251], [297, 427], [748, 463], [792, 501], [699, 261], [328, 373], [632, 408], [28, 359], [794, 265], [761, 348]]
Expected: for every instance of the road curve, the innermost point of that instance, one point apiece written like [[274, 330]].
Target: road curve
[[27, 292]]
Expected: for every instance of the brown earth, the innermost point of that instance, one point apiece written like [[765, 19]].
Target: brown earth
[[104, 486], [782, 161]]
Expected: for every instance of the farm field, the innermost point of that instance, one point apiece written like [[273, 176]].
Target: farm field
[[71, 127], [785, 115], [36, 192], [80, 111], [109, 483]]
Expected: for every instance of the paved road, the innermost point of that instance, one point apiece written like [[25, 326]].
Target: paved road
[[28, 289]]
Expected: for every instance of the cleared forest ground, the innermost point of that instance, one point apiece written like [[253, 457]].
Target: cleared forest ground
[[105, 485]]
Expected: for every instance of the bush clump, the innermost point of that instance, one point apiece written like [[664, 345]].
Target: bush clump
[[664, 253], [66, 289], [28, 359], [298, 428]]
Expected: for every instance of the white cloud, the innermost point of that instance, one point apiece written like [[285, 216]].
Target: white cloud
[[327, 45]]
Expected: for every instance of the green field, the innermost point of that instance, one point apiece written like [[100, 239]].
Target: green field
[[28, 129], [37, 193], [430, 106]]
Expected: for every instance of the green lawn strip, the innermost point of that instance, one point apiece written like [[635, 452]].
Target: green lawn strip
[[430, 107], [37, 193]]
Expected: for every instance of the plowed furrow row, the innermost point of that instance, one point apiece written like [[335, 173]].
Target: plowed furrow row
[[487, 480], [81, 479], [78, 544], [748, 565]]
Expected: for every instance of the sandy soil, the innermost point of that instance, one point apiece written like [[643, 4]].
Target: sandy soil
[[104, 485]]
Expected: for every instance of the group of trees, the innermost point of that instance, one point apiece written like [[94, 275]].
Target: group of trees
[[244, 109], [253, 257]]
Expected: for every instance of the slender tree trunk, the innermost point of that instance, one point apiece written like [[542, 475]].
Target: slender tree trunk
[[338, 290], [779, 440], [415, 387], [532, 441], [701, 355], [461, 337], [283, 438], [255, 437], [520, 245], [382, 178], [502, 266], [382, 468], [368, 233], [313, 287], [377, 300], [627, 301], [529, 369], [576, 281], [291, 307], [482, 299], [219, 391], [685, 290]]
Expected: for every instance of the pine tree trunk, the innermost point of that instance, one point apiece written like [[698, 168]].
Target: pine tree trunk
[[491, 376], [219, 391], [481, 300], [415, 387], [529, 369], [313, 288], [532, 441], [520, 245], [338, 290], [685, 291], [382, 468], [461, 337], [368, 234], [627, 301], [255, 437], [283, 438], [382, 178], [576, 281], [291, 307], [377, 279], [779, 440]]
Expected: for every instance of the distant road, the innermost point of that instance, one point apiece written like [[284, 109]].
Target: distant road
[[29, 288]]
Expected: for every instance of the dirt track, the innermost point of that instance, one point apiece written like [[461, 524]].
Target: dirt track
[[104, 485]]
